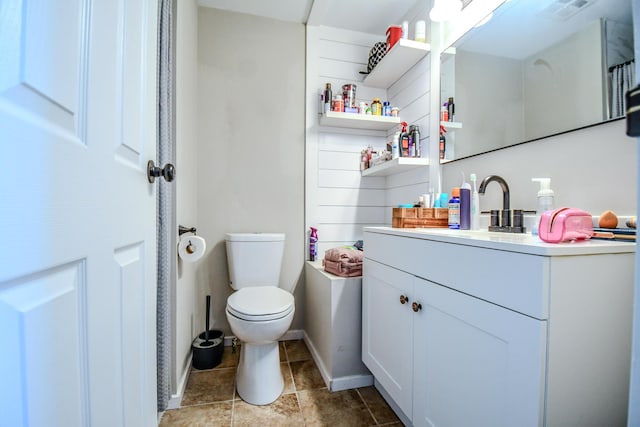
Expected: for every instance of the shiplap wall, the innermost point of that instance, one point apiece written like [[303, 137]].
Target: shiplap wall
[[338, 200]]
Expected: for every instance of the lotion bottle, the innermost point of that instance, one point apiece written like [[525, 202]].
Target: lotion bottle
[[545, 200], [475, 204]]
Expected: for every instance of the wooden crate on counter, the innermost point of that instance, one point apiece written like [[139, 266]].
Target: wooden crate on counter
[[420, 218]]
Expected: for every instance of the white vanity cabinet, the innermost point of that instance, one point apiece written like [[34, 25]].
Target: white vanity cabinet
[[507, 330]]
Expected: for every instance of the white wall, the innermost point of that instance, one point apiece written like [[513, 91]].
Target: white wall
[[339, 201], [188, 307], [593, 169], [250, 163]]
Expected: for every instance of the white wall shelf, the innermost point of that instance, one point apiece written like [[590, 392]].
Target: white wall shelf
[[402, 56], [358, 121], [451, 125], [397, 165]]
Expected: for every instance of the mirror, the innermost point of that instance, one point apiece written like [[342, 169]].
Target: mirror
[[535, 69]]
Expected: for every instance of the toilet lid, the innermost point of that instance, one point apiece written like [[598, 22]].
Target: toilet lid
[[260, 303]]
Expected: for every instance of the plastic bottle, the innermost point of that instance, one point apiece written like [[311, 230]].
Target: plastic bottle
[[405, 29], [412, 143], [328, 97], [545, 200], [454, 209], [386, 109], [444, 113], [475, 204], [338, 104], [420, 31], [395, 146], [465, 204], [376, 107], [313, 242]]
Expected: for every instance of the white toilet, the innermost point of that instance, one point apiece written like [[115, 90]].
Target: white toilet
[[259, 312]]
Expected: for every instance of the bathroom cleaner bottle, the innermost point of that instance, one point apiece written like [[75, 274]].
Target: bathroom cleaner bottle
[[465, 204], [545, 200], [475, 205], [313, 244], [454, 209]]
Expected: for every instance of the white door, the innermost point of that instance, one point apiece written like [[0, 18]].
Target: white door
[[77, 215], [476, 363], [387, 332]]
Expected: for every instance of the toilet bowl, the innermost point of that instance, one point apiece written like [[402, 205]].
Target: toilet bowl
[[258, 312], [258, 326]]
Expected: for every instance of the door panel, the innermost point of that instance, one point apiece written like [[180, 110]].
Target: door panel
[[44, 352], [387, 330], [77, 264], [476, 363]]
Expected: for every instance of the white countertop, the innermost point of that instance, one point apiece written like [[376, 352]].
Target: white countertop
[[523, 243]]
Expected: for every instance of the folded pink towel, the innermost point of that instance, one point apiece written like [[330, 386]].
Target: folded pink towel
[[343, 262], [342, 269], [344, 254]]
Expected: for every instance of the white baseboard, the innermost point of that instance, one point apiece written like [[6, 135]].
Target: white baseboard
[[319, 363], [176, 399], [352, 381], [337, 383]]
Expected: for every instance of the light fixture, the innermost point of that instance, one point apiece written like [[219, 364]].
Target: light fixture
[[444, 10]]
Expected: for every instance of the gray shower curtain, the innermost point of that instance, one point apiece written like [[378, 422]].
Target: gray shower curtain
[[621, 79], [165, 222]]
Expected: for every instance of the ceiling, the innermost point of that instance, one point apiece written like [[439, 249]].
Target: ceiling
[[366, 16]]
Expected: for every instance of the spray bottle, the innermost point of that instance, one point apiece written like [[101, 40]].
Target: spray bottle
[[404, 140], [313, 241], [545, 200], [475, 204], [443, 142]]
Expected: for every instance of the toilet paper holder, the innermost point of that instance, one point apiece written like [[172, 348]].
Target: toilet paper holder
[[182, 229]]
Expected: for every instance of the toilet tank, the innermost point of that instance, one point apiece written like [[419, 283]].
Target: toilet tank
[[254, 259]]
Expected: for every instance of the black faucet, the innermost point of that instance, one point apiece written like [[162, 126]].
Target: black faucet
[[506, 212]]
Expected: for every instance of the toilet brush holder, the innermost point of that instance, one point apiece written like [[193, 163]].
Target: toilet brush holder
[[207, 354], [207, 347]]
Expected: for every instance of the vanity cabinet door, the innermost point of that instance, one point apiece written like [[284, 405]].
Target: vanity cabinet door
[[387, 332], [475, 363]]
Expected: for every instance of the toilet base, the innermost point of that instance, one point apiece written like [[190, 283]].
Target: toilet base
[[259, 378]]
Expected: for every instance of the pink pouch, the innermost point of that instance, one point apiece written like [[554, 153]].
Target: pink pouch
[[565, 224]]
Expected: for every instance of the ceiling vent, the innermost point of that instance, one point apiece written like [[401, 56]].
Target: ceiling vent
[[561, 10]]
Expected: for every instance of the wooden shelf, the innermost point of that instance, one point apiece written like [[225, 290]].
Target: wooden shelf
[[402, 56], [451, 125], [397, 165], [358, 121]]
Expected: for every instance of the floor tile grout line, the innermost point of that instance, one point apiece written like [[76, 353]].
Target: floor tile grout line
[[367, 406]]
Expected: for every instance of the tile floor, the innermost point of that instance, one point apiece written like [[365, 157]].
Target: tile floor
[[210, 398]]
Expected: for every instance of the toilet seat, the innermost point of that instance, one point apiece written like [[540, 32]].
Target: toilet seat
[[260, 303]]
